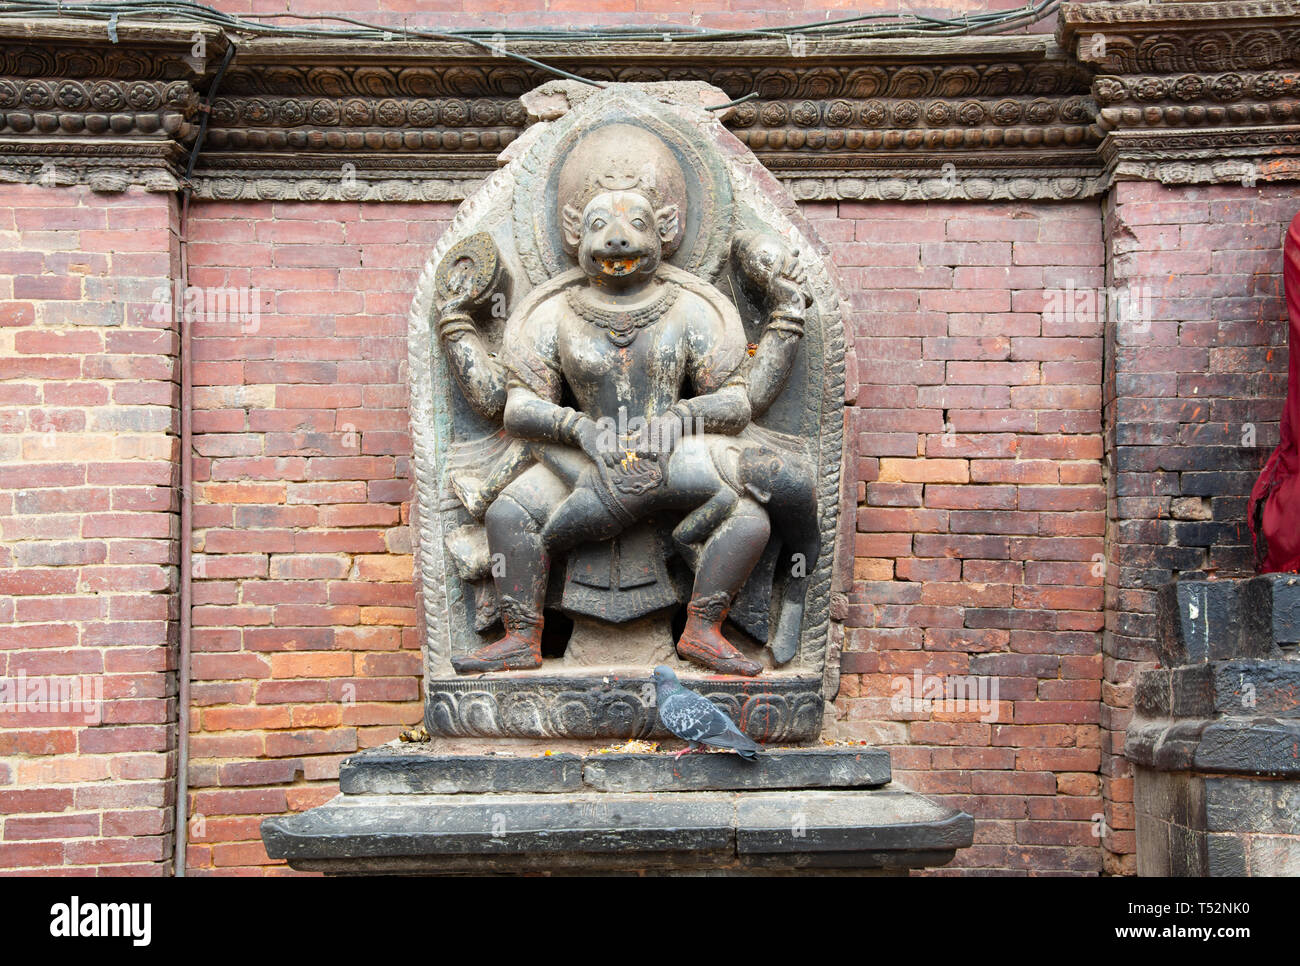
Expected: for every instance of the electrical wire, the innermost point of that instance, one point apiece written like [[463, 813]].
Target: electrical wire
[[498, 42]]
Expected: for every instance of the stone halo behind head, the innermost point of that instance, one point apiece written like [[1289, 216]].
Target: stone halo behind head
[[610, 136]]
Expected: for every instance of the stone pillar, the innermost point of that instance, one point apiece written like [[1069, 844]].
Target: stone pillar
[[1201, 157], [1216, 727]]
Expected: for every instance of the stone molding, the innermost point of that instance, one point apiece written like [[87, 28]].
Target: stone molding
[[1192, 92], [1174, 92]]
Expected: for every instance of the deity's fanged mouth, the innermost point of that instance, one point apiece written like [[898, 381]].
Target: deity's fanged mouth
[[619, 266]]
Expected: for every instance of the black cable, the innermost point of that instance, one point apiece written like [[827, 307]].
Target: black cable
[[206, 109], [897, 24], [862, 26]]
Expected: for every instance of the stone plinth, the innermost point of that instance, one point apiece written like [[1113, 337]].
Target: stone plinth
[[1214, 737], [422, 812]]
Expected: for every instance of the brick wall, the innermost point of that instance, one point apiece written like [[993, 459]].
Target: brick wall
[[1195, 377], [88, 529], [980, 513], [305, 644], [980, 508]]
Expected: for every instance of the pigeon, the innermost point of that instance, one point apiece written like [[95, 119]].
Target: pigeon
[[694, 718]]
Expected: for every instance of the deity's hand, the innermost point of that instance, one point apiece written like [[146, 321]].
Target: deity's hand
[[787, 290], [662, 434], [773, 269], [590, 439]]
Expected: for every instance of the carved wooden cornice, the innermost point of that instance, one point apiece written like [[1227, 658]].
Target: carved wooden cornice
[[77, 105], [835, 119], [1192, 92], [1176, 91]]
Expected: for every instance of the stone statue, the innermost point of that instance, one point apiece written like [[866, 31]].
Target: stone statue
[[619, 383]]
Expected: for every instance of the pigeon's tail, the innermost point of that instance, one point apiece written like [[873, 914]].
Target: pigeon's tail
[[739, 742]]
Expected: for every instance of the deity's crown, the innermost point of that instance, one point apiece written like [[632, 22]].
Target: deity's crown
[[623, 173]]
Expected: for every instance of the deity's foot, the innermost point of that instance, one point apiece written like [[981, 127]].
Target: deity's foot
[[514, 652], [702, 642]]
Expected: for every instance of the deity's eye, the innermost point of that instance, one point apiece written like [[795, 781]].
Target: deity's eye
[[597, 224], [638, 224]]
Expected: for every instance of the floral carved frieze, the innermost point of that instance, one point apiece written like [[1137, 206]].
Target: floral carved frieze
[[1124, 90], [1192, 92], [77, 107]]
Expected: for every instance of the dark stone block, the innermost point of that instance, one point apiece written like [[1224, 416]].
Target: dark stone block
[[372, 826], [416, 769], [1163, 744], [1256, 747], [1256, 688], [1286, 607], [1208, 620], [1225, 856], [389, 771], [1152, 694], [602, 831], [1152, 846], [891, 819], [1192, 692], [1247, 805], [1188, 851], [813, 768]]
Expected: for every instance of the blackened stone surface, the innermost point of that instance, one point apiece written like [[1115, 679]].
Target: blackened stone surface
[[1191, 824], [390, 771], [1242, 805], [1213, 620], [770, 709], [1286, 608], [858, 829], [830, 822], [1250, 746], [1221, 688], [409, 769], [813, 768], [1215, 740], [1257, 746], [381, 825], [1226, 855]]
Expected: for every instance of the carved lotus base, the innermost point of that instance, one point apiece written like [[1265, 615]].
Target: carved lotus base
[[772, 710]]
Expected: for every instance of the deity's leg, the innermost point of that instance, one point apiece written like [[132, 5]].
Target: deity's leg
[[725, 561], [581, 518], [514, 530], [793, 512]]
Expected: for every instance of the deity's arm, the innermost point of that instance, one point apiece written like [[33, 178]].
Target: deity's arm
[[772, 268], [481, 376], [715, 363]]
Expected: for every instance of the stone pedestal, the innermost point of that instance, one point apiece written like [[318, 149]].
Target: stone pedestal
[[1216, 730], [407, 810]]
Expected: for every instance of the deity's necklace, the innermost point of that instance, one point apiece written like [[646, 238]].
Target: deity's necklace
[[621, 325]]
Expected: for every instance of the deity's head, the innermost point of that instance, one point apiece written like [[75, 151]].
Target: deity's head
[[621, 193], [620, 235]]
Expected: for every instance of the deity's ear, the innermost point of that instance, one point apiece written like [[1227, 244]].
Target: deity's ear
[[572, 224], [667, 223]]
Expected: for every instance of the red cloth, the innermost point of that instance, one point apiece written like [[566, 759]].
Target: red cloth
[[1275, 500]]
